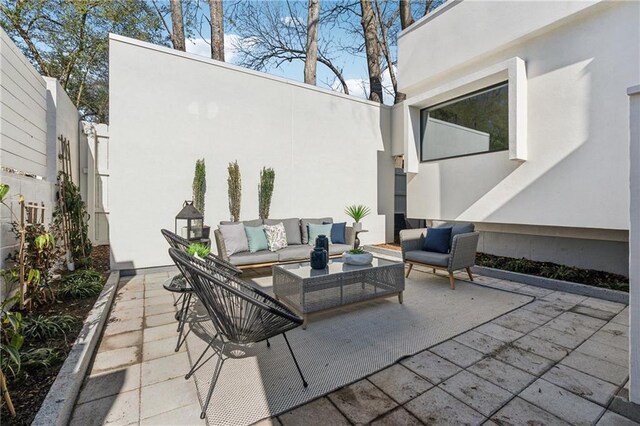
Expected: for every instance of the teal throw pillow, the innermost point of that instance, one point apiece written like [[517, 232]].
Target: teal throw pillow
[[317, 229], [256, 238]]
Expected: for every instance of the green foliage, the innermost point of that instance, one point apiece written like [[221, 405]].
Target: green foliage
[[265, 191], [43, 327], [198, 248], [11, 338], [81, 284], [4, 190], [358, 251], [199, 185], [78, 233], [234, 182], [357, 212], [34, 359]]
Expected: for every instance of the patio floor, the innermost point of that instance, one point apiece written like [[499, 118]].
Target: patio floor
[[561, 359]]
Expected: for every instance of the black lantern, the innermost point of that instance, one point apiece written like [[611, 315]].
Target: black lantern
[[193, 228]]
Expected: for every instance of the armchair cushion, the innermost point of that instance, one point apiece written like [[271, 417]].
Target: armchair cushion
[[438, 240], [428, 257], [457, 228]]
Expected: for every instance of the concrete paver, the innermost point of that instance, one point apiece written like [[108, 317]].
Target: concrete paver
[[480, 342], [400, 383], [431, 366], [318, 412], [581, 384], [501, 374], [481, 395], [520, 412], [457, 353], [361, 402], [436, 407]]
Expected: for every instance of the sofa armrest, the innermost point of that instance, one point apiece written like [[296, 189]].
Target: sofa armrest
[[349, 236], [222, 250], [463, 251], [411, 239]]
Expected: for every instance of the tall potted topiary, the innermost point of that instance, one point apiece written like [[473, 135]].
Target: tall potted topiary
[[265, 191], [199, 189], [234, 182]]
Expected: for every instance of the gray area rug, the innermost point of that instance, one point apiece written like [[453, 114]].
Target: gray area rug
[[340, 347]]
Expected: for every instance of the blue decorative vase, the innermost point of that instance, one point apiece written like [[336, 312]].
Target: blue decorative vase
[[323, 241], [319, 258]]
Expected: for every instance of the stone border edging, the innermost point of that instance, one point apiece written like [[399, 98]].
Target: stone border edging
[[551, 284], [61, 398]]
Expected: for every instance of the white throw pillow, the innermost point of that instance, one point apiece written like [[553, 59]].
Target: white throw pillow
[[235, 239], [276, 236]]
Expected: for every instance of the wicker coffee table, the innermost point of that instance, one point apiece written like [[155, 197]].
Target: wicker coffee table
[[308, 290]]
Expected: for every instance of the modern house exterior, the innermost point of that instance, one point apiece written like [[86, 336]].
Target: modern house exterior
[[549, 82]]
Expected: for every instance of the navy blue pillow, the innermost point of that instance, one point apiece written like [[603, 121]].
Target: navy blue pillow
[[338, 233], [437, 240]]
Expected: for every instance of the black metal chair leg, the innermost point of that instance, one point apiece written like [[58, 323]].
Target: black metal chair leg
[[178, 300], [182, 321], [180, 315], [268, 344], [304, 382], [196, 366], [214, 379]]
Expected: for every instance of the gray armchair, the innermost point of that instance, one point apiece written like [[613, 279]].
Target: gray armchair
[[461, 256]]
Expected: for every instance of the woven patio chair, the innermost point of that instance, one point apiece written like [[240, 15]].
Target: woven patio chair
[[240, 314], [179, 285]]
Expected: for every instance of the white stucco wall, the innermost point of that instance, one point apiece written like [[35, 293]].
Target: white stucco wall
[[580, 57], [168, 108]]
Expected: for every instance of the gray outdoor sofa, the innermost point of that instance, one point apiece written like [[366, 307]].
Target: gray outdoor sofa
[[462, 254], [297, 250]]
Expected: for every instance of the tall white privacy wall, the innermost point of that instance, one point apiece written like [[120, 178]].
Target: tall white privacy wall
[[634, 248], [169, 108]]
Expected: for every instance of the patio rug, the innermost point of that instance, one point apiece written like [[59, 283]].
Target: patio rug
[[341, 346]]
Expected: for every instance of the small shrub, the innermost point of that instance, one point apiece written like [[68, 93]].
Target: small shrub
[[34, 359], [198, 248], [357, 251], [42, 327], [81, 284]]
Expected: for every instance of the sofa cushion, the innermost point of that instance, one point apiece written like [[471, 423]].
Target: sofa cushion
[[291, 228], [276, 236], [316, 230], [437, 240], [254, 222], [296, 252], [247, 258], [338, 248], [338, 233], [235, 238], [256, 238], [305, 229], [458, 228], [428, 257]]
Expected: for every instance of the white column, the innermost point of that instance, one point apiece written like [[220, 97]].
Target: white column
[[634, 246]]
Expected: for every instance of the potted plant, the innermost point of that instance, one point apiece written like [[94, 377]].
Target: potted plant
[[357, 257], [199, 189], [265, 191], [357, 212], [198, 250], [234, 182]]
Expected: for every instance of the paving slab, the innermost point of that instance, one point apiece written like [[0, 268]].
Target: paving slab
[[400, 383], [273, 421], [431, 366], [595, 313], [160, 319], [362, 402], [154, 399], [531, 316], [116, 326], [480, 342], [616, 335], [129, 295], [499, 332], [563, 297], [161, 369], [550, 334], [457, 353], [524, 360], [124, 314], [158, 299], [160, 308], [609, 418], [599, 368], [478, 393], [399, 416], [318, 412], [520, 412], [530, 290], [621, 405], [160, 348], [541, 347], [603, 305], [599, 350], [503, 284], [569, 329], [110, 383], [548, 308], [125, 305], [436, 407], [562, 403], [122, 340], [622, 317], [187, 415], [502, 374], [578, 320], [116, 359], [581, 384], [117, 409], [516, 322], [159, 333]]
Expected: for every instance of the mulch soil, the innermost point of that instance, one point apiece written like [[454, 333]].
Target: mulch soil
[[30, 387]]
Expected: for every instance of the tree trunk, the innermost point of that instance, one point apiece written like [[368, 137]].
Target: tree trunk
[[177, 37], [370, 30], [311, 60], [217, 30], [406, 18]]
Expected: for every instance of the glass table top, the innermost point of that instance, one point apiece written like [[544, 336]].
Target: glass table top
[[335, 266]]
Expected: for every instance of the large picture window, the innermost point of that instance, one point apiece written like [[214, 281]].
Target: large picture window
[[472, 124]]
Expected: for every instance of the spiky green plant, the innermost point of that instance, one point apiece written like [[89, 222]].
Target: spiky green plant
[[81, 284], [235, 190], [265, 191], [198, 248], [357, 212], [43, 327], [199, 185]]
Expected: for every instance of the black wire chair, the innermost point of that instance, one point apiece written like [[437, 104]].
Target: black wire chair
[[179, 285], [241, 314]]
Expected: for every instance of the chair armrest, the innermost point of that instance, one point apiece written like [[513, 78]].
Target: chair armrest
[[222, 250], [349, 236], [411, 239], [463, 251]]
